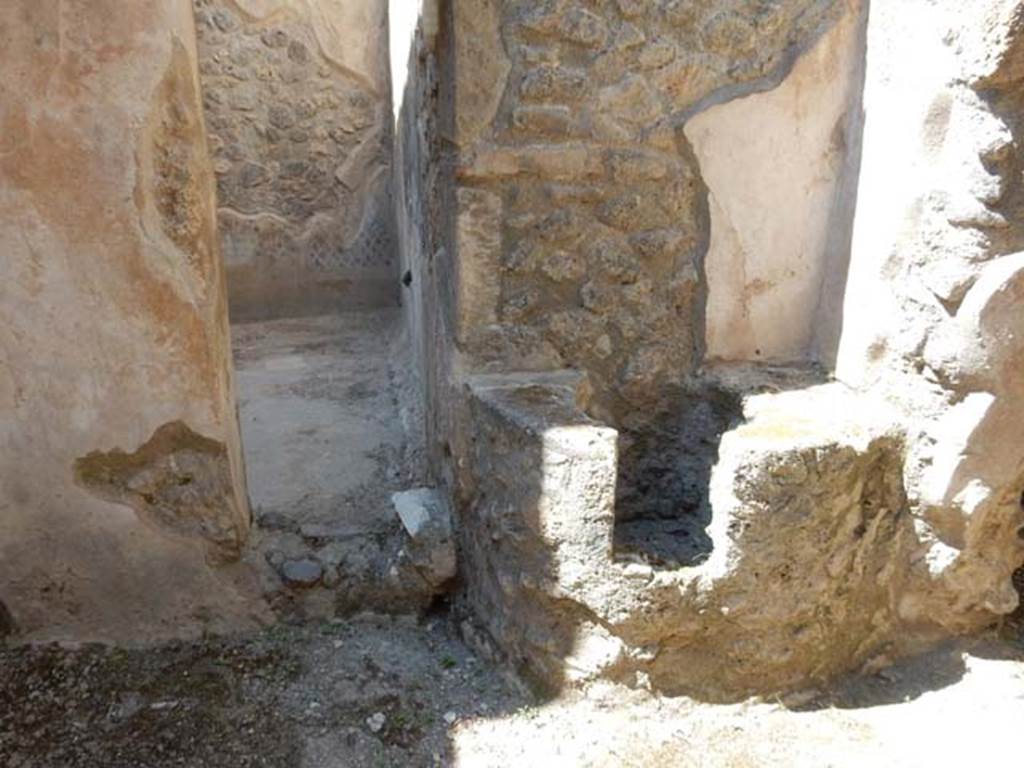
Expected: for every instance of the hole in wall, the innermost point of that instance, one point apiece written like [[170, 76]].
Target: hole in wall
[[667, 457], [665, 463]]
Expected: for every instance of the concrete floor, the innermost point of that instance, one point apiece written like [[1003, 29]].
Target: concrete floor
[[327, 427]]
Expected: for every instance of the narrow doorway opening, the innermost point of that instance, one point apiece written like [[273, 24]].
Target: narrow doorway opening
[[297, 105]]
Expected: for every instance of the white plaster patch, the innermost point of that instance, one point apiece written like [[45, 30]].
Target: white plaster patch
[[772, 163]]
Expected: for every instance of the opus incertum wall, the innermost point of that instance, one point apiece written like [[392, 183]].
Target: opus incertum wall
[[296, 100]]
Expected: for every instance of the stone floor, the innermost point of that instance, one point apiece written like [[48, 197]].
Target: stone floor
[[395, 692], [326, 428]]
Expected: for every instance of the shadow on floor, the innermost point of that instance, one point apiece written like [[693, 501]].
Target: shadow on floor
[[399, 692]]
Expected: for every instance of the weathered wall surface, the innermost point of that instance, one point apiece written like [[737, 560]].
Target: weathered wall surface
[[423, 65], [932, 315], [122, 498], [575, 167], [419, 196], [643, 187], [296, 95]]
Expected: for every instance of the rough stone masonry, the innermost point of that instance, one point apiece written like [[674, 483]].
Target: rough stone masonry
[[295, 97], [705, 355]]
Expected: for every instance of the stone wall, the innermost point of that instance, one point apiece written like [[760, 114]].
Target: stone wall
[[620, 212], [296, 95], [583, 210], [557, 214], [419, 196], [667, 198], [122, 497], [425, 156]]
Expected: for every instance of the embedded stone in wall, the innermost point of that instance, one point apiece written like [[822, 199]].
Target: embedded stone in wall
[[478, 240]]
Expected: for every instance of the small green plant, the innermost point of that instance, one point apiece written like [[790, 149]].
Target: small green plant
[[447, 662]]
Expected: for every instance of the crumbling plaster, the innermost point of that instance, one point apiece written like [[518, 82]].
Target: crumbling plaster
[[570, 177], [931, 314], [665, 185], [776, 165]]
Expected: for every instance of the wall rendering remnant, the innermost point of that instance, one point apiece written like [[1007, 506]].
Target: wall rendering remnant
[[774, 163], [113, 334], [296, 99], [584, 160]]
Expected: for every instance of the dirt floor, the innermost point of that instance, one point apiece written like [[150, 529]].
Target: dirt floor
[[393, 692], [325, 423], [331, 429]]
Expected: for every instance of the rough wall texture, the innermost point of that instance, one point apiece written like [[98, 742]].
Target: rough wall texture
[[811, 543], [643, 188], [296, 99], [419, 176], [932, 314], [583, 214], [425, 162], [575, 168], [122, 495]]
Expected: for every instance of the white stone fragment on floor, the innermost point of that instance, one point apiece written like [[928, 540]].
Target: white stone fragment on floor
[[376, 722], [427, 520]]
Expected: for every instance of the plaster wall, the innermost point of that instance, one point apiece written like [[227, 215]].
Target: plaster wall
[[122, 497], [930, 316], [774, 164]]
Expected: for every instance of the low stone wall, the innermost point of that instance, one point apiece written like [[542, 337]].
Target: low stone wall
[[809, 530]]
